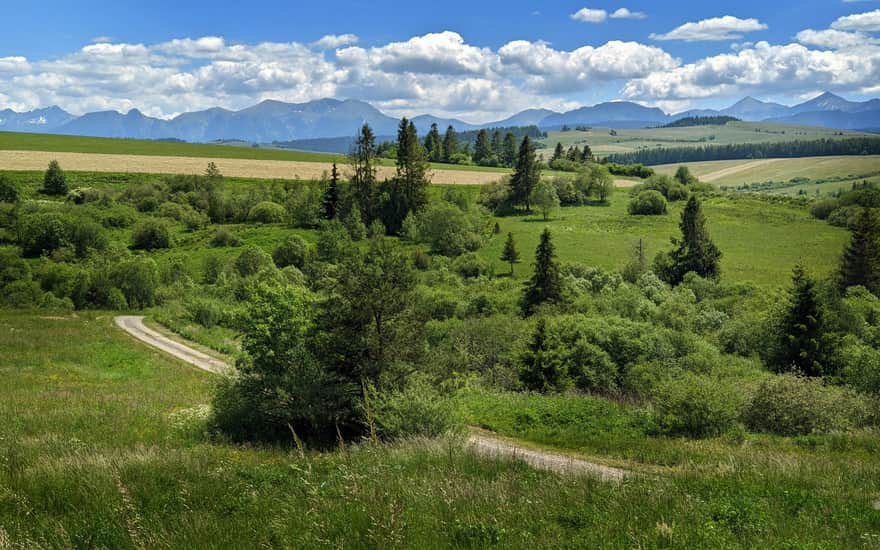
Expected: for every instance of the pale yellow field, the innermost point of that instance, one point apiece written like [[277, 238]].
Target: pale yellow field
[[244, 168]]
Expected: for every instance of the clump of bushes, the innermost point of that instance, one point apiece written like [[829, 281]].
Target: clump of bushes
[[223, 237], [151, 234], [267, 212], [419, 409], [695, 406], [647, 203], [292, 251]]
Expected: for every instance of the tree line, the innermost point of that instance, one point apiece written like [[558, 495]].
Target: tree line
[[735, 151]]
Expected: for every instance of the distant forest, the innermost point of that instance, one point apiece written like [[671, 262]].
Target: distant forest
[[701, 121], [784, 149]]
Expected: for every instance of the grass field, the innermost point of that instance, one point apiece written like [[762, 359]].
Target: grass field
[[603, 143], [104, 446]]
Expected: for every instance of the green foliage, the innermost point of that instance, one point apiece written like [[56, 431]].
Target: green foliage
[[539, 372], [43, 233], [252, 260], [407, 191], [694, 252], [54, 180], [9, 191], [545, 198], [354, 225], [801, 329], [363, 181], [331, 195], [647, 203], [470, 266], [151, 234], [860, 262], [545, 286], [526, 174], [695, 406], [794, 405], [137, 279], [223, 237], [293, 251], [267, 212], [448, 229], [822, 209], [510, 254], [306, 206], [419, 409]]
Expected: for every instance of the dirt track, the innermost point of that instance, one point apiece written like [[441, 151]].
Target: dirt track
[[482, 443], [244, 168]]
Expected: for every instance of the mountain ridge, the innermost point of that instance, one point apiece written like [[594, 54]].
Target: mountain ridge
[[273, 120]]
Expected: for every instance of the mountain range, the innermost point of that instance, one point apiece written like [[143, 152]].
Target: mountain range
[[271, 121]]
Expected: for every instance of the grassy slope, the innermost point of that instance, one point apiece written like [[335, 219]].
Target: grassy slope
[[603, 143], [102, 447], [14, 141]]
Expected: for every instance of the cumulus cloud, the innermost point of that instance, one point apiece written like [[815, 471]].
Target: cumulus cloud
[[764, 68], [333, 41], [434, 53], [869, 22], [587, 15], [13, 64], [624, 13], [831, 39], [716, 28]]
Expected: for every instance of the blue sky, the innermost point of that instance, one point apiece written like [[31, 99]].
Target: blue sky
[[475, 59]]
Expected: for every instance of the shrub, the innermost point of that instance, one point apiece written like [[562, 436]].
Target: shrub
[[151, 234], [355, 225], [87, 236], [206, 312], [54, 180], [305, 206], [137, 279], [416, 410], [9, 192], [43, 234], [292, 251], [449, 230], [843, 216], [83, 195], [470, 266], [223, 237], [267, 212], [861, 366], [788, 404], [251, 261], [694, 406], [213, 267], [185, 214], [647, 203], [822, 209]]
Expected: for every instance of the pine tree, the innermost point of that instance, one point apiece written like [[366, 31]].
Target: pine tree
[[331, 195], [526, 174], [450, 144], [408, 191], [434, 145], [483, 148], [801, 329], [695, 251], [860, 263], [497, 146], [545, 285], [363, 160], [510, 253], [509, 156], [539, 371], [54, 180], [558, 152], [587, 154]]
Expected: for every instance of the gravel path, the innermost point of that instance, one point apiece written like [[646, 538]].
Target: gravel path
[[483, 444]]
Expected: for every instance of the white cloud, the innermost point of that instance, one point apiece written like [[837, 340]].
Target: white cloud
[[831, 39], [434, 53], [624, 13], [587, 15], [763, 69], [716, 28], [99, 39], [869, 21], [13, 64], [333, 41]]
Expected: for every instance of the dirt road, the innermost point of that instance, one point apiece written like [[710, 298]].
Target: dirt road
[[481, 442], [134, 325]]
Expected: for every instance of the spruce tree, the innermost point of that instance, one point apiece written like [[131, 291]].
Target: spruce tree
[[363, 182], [434, 145], [526, 174], [695, 251], [538, 372], [497, 145], [450, 144], [801, 329], [509, 156], [860, 263], [587, 154], [54, 180], [510, 253], [331, 195], [558, 152], [483, 148], [545, 285], [408, 191]]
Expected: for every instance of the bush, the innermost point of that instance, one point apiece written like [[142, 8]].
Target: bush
[[84, 195], [417, 410], [292, 251], [449, 230], [223, 237], [355, 225], [9, 192], [647, 203], [54, 180], [861, 366], [470, 266], [86, 237], [43, 234], [267, 212], [822, 209], [206, 312], [695, 406], [788, 404], [184, 214], [213, 267], [137, 279], [151, 234], [251, 261]]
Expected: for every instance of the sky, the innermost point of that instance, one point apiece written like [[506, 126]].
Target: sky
[[476, 60]]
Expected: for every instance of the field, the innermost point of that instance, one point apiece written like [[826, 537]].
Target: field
[[603, 143], [104, 446], [843, 170]]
